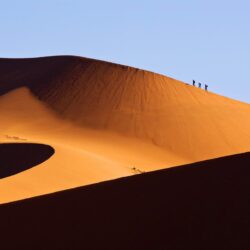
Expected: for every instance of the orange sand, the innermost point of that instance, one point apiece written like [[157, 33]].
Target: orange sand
[[107, 121]]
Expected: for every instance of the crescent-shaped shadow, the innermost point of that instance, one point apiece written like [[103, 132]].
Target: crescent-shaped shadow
[[18, 157]]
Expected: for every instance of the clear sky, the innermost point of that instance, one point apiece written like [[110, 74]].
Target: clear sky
[[208, 40]]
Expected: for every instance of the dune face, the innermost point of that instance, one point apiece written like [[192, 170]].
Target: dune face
[[18, 157], [107, 121], [100, 95], [198, 206]]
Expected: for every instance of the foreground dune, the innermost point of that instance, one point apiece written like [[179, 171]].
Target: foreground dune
[[198, 206], [105, 121]]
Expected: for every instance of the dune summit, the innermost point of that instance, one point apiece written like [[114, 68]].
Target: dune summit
[[107, 121]]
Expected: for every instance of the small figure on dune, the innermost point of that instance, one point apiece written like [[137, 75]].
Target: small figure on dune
[[199, 85], [193, 82], [206, 87]]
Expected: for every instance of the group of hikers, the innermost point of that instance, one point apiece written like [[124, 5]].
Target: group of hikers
[[199, 85]]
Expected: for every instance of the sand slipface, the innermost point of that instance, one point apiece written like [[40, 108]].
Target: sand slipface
[[106, 121]]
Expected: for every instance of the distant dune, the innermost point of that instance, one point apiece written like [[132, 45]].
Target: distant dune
[[203, 205], [106, 121]]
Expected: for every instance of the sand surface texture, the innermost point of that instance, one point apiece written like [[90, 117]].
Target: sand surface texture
[[87, 121]]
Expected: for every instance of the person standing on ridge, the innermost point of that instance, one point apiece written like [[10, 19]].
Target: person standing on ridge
[[199, 85], [206, 87], [193, 82]]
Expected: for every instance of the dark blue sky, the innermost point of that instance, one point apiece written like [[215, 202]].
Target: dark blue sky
[[204, 40]]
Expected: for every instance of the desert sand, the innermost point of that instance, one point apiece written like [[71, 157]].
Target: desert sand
[[104, 121]]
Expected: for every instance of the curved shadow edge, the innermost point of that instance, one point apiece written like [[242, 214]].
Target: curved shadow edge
[[18, 157]]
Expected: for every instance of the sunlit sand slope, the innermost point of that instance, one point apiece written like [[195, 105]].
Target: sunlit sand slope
[[186, 120], [106, 121]]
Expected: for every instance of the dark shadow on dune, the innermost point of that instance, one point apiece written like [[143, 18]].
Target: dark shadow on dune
[[34, 72], [203, 206], [18, 157]]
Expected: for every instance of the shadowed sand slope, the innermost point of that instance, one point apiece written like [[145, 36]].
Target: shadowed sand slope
[[203, 205], [18, 157]]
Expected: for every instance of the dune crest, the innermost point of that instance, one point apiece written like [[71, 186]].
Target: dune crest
[[141, 104]]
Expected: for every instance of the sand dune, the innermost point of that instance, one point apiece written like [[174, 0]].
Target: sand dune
[[106, 121], [198, 206]]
